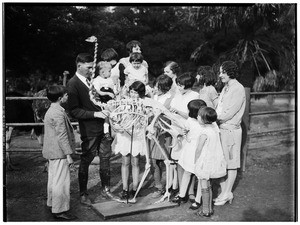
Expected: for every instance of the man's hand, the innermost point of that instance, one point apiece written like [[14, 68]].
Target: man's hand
[[102, 114]]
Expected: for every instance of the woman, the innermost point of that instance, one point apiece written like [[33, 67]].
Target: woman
[[230, 109]]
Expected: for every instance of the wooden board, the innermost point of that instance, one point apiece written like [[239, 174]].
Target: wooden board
[[113, 209]]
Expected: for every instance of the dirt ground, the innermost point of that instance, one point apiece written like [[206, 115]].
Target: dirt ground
[[264, 192]]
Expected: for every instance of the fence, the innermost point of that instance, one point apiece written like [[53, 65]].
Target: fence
[[245, 122]]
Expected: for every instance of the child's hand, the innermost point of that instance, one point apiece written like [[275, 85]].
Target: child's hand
[[70, 161]]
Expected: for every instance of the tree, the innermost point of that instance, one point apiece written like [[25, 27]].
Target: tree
[[260, 45]]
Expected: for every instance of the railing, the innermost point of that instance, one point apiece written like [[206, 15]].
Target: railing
[[246, 117]]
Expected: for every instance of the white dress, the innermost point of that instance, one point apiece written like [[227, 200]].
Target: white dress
[[208, 94], [189, 145], [122, 142], [211, 163], [180, 102]]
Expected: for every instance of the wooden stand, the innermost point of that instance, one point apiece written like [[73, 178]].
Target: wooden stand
[[113, 209]]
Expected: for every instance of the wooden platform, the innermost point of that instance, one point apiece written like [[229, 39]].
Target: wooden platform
[[113, 209]]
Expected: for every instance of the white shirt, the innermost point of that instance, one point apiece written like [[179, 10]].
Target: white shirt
[[137, 74], [100, 82], [83, 79]]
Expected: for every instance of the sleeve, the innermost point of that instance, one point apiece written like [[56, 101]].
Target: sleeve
[[126, 70], [213, 95], [74, 105], [122, 74], [96, 83], [233, 104], [61, 133]]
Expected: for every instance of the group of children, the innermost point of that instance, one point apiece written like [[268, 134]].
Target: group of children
[[199, 155]]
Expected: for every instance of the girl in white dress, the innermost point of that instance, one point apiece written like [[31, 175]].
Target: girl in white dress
[[209, 157], [179, 104], [189, 145], [122, 145]]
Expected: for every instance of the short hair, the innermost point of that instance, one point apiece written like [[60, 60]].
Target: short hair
[[186, 79], [164, 83], [131, 44], [109, 54], [139, 87], [207, 75], [173, 66], [208, 115], [194, 106], [101, 65], [84, 58], [55, 91], [136, 57], [231, 69]]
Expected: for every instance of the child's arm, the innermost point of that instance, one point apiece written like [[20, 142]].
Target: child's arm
[[201, 142], [146, 76]]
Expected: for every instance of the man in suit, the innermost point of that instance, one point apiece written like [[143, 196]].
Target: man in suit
[[91, 120]]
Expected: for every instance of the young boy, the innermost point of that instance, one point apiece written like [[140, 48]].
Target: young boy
[[59, 144]]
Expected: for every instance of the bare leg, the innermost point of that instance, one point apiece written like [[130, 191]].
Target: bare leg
[[180, 174], [125, 171], [184, 183], [135, 172], [192, 185], [231, 176], [198, 195]]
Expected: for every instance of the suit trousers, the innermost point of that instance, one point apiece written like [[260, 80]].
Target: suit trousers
[[58, 191], [92, 146]]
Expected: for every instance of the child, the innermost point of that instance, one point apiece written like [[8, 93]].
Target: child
[[209, 157], [103, 83], [179, 104], [122, 144], [111, 56], [137, 71], [206, 82], [172, 69], [59, 144], [132, 47], [104, 86], [163, 95], [189, 145]]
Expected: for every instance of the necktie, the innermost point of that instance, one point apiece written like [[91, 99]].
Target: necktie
[[88, 81]]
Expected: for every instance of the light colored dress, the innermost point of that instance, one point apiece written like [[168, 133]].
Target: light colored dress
[[189, 145], [211, 163], [122, 142], [208, 94], [136, 74], [180, 102]]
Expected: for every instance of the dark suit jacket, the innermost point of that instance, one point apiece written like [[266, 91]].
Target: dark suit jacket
[[82, 108]]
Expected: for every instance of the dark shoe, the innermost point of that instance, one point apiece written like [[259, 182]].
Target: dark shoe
[[173, 192], [64, 216], [124, 195], [179, 200], [132, 193], [195, 206], [84, 199]]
